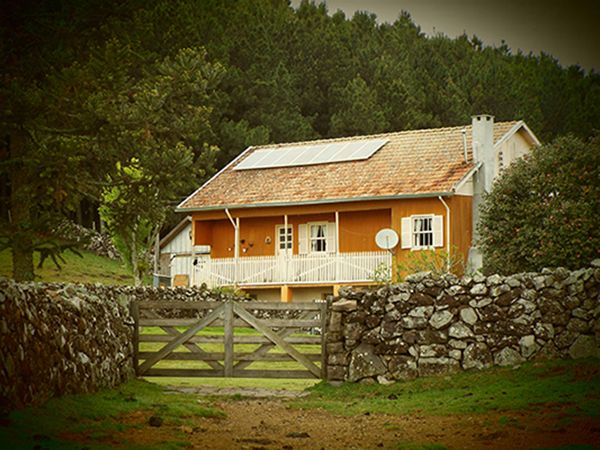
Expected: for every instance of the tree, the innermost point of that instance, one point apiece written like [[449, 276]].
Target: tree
[[158, 124], [47, 171], [543, 211], [358, 111]]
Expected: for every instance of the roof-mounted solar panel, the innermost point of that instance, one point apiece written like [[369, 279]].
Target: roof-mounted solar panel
[[305, 155]]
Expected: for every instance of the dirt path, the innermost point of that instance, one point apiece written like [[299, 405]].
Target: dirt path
[[256, 424]]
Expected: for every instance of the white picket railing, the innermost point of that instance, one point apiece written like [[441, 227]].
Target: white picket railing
[[294, 269]]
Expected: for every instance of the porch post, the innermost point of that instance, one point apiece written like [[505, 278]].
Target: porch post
[[337, 246], [286, 293], [192, 266], [236, 251], [286, 256]]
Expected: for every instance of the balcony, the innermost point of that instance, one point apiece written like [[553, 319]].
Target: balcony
[[293, 269]]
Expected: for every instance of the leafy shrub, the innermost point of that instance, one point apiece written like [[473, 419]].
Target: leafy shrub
[[544, 211]]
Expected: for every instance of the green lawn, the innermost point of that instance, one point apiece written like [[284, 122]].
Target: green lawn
[[98, 417], [533, 385], [573, 387], [90, 268]]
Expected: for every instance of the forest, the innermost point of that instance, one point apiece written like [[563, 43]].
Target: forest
[[130, 105]]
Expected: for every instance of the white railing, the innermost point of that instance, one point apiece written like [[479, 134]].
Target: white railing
[[295, 269]]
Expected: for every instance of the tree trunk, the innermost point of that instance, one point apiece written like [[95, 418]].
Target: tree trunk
[[22, 239], [134, 258]]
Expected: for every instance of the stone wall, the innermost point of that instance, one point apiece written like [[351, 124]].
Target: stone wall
[[431, 324], [68, 338]]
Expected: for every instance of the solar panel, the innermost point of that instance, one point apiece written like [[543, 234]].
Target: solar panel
[[304, 155]]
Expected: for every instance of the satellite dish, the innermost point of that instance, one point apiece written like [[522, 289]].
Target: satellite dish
[[386, 239]]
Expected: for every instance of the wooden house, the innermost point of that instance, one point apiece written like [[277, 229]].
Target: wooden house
[[175, 256], [298, 220]]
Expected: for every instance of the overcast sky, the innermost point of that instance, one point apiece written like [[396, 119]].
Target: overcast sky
[[567, 29]]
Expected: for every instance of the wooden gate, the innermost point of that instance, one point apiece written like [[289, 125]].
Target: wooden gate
[[225, 339]]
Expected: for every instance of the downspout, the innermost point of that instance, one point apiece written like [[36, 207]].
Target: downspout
[[447, 232], [236, 244]]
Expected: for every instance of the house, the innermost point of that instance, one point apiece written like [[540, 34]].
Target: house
[[299, 220], [175, 255]]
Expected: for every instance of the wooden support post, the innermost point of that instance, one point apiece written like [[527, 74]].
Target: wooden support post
[[336, 289], [228, 338], [324, 355], [337, 245], [286, 253], [134, 310], [286, 294]]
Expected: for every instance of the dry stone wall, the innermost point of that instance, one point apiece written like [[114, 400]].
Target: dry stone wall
[[57, 339], [441, 324]]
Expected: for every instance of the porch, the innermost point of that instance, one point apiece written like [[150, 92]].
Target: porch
[[303, 269]]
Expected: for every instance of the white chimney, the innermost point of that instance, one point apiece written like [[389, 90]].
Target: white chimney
[[483, 148], [483, 152]]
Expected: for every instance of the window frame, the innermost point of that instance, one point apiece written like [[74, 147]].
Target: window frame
[[310, 237], [288, 241], [413, 234]]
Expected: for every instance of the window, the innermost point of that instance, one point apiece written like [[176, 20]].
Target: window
[[284, 239], [422, 232], [500, 161], [318, 237]]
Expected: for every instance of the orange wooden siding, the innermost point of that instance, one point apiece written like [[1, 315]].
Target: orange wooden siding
[[358, 229], [461, 224], [358, 222]]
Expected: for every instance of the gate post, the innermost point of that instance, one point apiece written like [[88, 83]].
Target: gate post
[[134, 310], [228, 338], [324, 355]]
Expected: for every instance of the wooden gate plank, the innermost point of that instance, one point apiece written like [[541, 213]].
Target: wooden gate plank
[[228, 338], [276, 339], [265, 348], [189, 345], [183, 337]]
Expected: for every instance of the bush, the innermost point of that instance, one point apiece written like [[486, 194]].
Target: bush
[[544, 210]]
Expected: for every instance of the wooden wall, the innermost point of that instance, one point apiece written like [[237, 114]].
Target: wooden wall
[[359, 222]]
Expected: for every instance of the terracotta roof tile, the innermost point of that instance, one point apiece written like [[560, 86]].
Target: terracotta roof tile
[[412, 162]]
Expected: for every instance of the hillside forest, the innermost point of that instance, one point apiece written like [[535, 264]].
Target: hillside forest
[[130, 105]]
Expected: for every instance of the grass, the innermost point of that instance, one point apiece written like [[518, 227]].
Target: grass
[[91, 268], [572, 387], [574, 384], [98, 416]]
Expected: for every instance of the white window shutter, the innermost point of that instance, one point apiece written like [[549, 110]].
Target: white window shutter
[[331, 243], [406, 232], [302, 239], [438, 231]]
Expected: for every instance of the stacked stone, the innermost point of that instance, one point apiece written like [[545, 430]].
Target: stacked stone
[[92, 240], [125, 294], [57, 339], [441, 324]]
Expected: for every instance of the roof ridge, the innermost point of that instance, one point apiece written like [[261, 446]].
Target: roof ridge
[[370, 136]]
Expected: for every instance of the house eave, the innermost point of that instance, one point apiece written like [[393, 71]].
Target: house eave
[[520, 124], [468, 175], [316, 202], [175, 231]]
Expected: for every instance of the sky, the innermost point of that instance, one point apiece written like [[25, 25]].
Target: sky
[[569, 30]]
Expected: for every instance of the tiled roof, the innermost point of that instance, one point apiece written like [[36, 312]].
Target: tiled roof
[[412, 162]]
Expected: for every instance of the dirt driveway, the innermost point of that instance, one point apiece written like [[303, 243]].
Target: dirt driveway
[[270, 423]]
